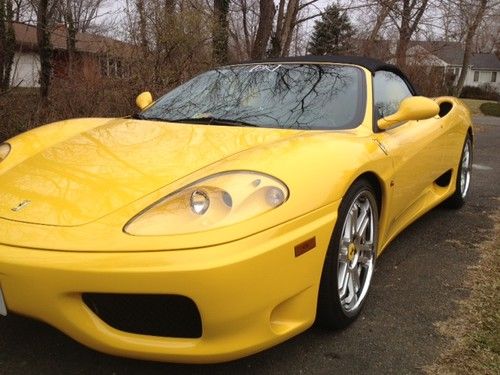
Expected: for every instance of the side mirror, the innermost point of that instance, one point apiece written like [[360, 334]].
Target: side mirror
[[411, 108], [144, 100]]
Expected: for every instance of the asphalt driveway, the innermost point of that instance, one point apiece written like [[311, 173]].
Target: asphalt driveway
[[417, 283]]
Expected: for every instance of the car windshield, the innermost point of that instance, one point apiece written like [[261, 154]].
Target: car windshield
[[290, 96]]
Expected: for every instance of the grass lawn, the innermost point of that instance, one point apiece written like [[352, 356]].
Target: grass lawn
[[474, 332], [474, 105]]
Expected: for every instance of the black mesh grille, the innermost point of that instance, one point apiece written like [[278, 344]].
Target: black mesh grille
[[147, 314]]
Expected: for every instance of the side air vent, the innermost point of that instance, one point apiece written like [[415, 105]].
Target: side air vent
[[444, 179], [444, 108]]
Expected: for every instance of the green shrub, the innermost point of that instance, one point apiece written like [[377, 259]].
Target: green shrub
[[490, 109], [484, 92]]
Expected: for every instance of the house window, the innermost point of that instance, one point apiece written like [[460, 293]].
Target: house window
[[493, 76], [476, 76], [104, 66], [119, 70], [111, 67]]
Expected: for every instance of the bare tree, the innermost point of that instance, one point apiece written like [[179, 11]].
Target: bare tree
[[7, 43], [287, 15], [384, 8], [175, 37], [220, 33], [473, 14], [244, 18], [22, 10], [286, 22], [266, 17], [406, 15], [140, 5], [78, 16], [45, 16]]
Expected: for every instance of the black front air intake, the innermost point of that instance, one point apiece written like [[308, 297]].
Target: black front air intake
[[162, 315]]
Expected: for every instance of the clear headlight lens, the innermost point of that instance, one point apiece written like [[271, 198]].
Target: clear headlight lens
[[213, 202], [4, 151]]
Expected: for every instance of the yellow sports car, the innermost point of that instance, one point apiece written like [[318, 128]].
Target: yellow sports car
[[231, 213]]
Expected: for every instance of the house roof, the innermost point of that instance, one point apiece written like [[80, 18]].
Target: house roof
[[26, 36], [450, 52], [453, 54], [486, 61]]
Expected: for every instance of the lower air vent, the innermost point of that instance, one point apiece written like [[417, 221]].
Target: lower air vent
[[444, 179], [147, 314]]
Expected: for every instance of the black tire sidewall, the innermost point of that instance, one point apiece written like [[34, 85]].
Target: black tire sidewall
[[459, 173], [330, 313], [456, 200]]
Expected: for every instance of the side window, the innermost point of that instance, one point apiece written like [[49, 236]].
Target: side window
[[388, 90]]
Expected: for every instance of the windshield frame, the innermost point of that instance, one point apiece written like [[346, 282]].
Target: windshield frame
[[359, 112]]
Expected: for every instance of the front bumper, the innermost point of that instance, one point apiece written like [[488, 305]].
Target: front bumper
[[251, 294]]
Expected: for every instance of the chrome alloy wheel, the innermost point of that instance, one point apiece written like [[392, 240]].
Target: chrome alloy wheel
[[465, 169], [356, 260]]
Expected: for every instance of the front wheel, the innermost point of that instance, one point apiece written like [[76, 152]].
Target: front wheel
[[350, 260], [464, 173]]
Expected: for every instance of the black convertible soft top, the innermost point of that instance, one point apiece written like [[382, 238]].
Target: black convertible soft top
[[373, 65]]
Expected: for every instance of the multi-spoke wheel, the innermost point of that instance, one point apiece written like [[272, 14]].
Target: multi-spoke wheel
[[462, 183], [350, 260]]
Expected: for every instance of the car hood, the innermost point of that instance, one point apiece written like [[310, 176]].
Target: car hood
[[90, 175]]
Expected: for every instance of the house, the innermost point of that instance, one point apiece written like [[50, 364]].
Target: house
[[443, 58], [95, 55], [483, 69]]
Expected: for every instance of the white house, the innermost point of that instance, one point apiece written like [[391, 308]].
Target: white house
[[96, 55], [484, 68], [25, 70]]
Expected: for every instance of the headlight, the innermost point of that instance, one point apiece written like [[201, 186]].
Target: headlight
[[4, 151], [213, 202]]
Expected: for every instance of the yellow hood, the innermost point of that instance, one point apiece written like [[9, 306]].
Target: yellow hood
[[101, 170]]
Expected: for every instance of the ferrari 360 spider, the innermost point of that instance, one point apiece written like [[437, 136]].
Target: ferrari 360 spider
[[231, 213]]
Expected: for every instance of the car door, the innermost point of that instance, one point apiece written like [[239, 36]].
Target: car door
[[413, 147]]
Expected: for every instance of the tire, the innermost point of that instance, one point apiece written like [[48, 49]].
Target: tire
[[351, 252], [462, 182]]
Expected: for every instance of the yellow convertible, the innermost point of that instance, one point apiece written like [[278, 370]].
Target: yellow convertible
[[231, 213]]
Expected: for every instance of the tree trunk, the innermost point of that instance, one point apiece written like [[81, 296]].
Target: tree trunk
[[276, 37], [288, 26], [7, 43], [264, 29], [282, 36], [70, 37], [244, 14], [3, 43], [220, 33], [142, 27], [409, 23], [44, 48], [404, 34], [471, 31]]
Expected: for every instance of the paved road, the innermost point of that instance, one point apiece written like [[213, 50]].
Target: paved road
[[486, 120], [417, 282]]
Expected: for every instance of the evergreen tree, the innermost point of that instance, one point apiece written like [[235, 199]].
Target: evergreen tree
[[332, 33]]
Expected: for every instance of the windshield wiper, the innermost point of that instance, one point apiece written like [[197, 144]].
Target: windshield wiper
[[210, 120], [139, 116]]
